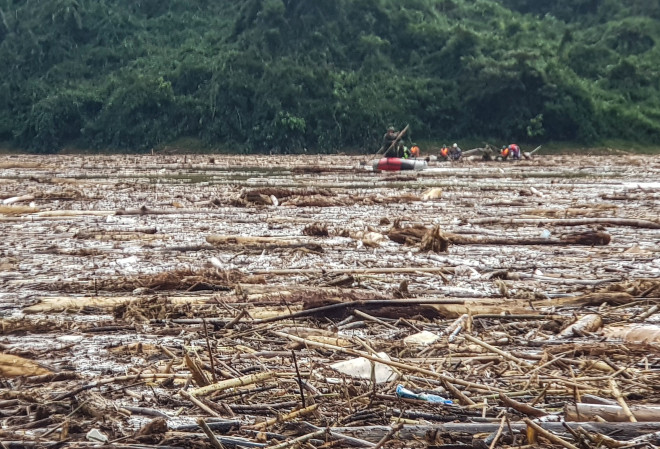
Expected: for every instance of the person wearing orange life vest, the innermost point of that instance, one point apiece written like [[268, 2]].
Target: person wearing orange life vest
[[414, 150], [445, 152], [512, 150]]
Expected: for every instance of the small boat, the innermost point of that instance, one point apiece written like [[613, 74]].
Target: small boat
[[398, 164]]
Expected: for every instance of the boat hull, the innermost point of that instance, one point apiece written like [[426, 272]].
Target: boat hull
[[398, 164]]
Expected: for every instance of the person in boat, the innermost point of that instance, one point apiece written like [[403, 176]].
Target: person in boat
[[414, 150], [445, 152], [512, 150], [389, 138], [455, 152]]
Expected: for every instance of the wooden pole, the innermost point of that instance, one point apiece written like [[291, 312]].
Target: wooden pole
[[398, 138]]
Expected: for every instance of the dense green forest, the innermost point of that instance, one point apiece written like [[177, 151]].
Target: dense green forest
[[258, 75]]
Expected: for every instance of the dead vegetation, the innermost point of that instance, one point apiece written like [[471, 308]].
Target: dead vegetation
[[323, 306]]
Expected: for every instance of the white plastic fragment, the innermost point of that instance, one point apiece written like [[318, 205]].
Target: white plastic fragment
[[423, 338], [96, 435], [361, 368], [128, 261]]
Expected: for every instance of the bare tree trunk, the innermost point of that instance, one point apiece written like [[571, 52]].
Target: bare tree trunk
[[569, 221]]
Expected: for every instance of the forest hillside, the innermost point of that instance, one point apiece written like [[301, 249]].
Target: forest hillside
[[260, 75]]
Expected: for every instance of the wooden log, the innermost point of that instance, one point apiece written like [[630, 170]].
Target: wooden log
[[520, 407], [598, 299], [351, 305], [256, 293], [263, 242], [304, 271], [433, 239], [588, 238], [627, 222], [52, 304], [17, 210], [15, 366], [496, 306], [611, 413], [592, 399], [243, 240], [465, 432], [634, 333], [586, 324], [75, 213], [17, 199]]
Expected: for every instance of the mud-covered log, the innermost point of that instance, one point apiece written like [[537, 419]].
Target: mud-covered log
[[404, 306]]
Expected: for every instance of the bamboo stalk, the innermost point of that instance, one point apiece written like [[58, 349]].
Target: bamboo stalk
[[458, 394], [504, 354], [198, 403], [374, 319], [232, 383], [498, 434], [548, 435], [522, 408], [298, 440], [284, 418], [388, 436], [209, 433], [622, 402]]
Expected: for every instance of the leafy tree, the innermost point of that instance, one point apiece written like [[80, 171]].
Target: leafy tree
[[283, 75]]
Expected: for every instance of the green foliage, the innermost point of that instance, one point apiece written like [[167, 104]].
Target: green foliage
[[138, 113], [283, 75]]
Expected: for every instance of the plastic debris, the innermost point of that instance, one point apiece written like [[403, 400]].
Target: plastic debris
[[361, 368], [423, 338], [403, 392], [96, 435]]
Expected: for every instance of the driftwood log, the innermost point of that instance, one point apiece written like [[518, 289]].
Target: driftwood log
[[433, 239], [629, 222], [465, 431], [612, 413]]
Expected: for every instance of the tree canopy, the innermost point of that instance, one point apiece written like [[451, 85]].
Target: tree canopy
[[284, 75]]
